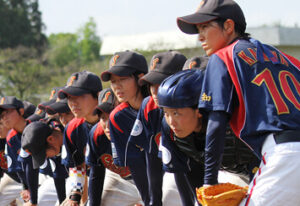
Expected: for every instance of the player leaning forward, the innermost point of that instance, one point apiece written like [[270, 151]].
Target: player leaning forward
[[256, 88]]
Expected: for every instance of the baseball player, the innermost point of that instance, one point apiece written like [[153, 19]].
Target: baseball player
[[19, 160], [146, 130], [125, 70], [255, 87], [82, 96], [116, 182]]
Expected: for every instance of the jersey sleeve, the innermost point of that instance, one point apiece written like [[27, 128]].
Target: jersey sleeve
[[12, 152], [74, 143], [216, 86]]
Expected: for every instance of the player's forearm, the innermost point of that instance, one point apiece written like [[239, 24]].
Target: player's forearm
[[32, 177], [60, 189], [77, 176], [214, 145], [96, 180]]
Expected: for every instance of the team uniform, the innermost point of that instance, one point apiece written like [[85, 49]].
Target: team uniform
[[73, 152], [146, 134], [259, 87], [121, 120], [99, 158]]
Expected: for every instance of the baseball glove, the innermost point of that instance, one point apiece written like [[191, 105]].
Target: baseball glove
[[225, 194]]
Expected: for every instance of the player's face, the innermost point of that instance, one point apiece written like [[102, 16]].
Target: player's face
[[183, 121], [54, 146], [124, 88], [64, 118], [153, 90], [10, 118], [82, 106], [104, 119], [212, 37], [3, 130]]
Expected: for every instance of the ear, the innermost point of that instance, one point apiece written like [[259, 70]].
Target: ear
[[50, 139], [21, 110], [141, 75], [199, 115], [229, 26]]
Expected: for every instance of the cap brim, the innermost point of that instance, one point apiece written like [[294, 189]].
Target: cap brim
[[57, 107], [104, 107], [35, 117], [7, 106], [72, 91], [153, 78], [117, 70], [188, 24], [38, 159], [43, 105]]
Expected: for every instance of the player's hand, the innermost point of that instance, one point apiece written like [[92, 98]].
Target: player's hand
[[29, 204], [25, 195], [138, 204]]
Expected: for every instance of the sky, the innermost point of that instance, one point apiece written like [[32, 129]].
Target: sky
[[127, 17]]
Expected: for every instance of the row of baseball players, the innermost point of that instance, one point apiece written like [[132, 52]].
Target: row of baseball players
[[181, 128]]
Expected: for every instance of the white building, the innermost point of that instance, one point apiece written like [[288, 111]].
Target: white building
[[284, 38]]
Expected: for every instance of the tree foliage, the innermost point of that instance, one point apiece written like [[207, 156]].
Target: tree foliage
[[22, 73], [89, 42], [21, 24]]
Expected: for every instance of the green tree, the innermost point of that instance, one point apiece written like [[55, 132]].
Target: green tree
[[63, 49], [21, 24], [22, 73], [89, 42]]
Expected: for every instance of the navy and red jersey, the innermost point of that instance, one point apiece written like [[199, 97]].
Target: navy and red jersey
[[121, 121], [13, 147], [75, 139], [98, 152], [146, 131], [258, 85]]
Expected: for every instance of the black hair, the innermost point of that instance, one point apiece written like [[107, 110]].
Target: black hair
[[143, 89], [238, 28], [94, 95]]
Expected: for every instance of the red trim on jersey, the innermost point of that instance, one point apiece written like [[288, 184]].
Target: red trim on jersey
[[149, 107], [293, 60], [73, 124], [239, 115], [10, 135], [119, 108], [97, 133]]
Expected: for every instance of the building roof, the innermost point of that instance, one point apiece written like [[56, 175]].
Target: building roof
[[276, 36]]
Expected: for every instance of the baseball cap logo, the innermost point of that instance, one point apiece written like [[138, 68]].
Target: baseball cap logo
[[106, 96], [200, 5], [114, 60], [38, 112], [154, 63], [192, 64], [2, 100], [52, 94], [72, 79]]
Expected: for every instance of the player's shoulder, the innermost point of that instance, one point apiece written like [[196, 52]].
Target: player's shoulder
[[150, 106], [97, 133], [119, 110], [73, 125], [11, 134]]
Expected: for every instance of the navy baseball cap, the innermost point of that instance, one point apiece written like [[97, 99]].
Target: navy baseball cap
[[52, 98], [196, 63], [80, 83], [34, 141], [106, 101], [29, 109], [37, 115], [163, 65], [209, 10], [10, 102], [125, 64], [60, 106]]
